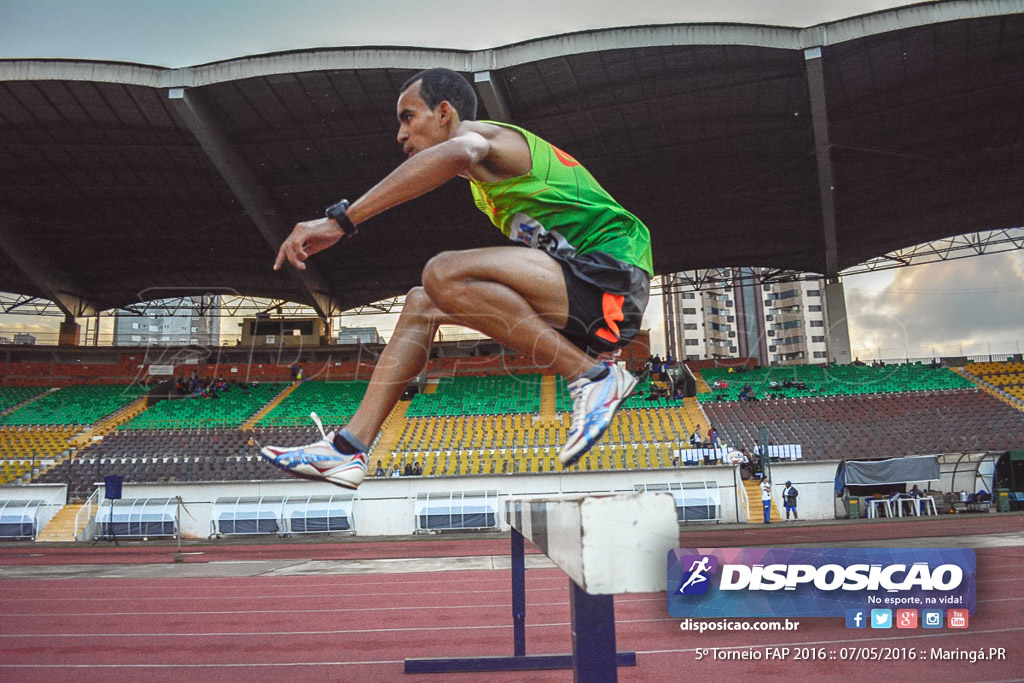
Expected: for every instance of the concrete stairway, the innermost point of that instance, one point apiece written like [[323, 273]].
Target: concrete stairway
[[702, 385], [110, 423], [250, 424], [547, 398], [755, 513], [61, 528], [390, 432], [694, 416]]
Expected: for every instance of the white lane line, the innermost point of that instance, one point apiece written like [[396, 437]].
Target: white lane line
[[250, 634], [284, 596], [371, 662], [401, 608], [63, 599]]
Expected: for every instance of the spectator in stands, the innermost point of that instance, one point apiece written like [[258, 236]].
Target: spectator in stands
[[417, 469], [695, 441], [858, 362], [915, 492], [789, 494], [760, 455], [766, 500], [579, 292], [745, 463], [712, 437], [408, 469], [294, 370], [379, 472], [395, 472]]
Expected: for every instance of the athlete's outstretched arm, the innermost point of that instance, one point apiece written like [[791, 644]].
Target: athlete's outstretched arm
[[417, 175]]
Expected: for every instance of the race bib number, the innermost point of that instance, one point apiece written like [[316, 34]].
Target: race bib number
[[526, 230]]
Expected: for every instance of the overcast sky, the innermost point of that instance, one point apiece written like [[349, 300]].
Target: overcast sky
[[188, 32], [973, 301]]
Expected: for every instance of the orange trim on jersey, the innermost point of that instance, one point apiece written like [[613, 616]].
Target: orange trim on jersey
[[611, 305], [565, 158]]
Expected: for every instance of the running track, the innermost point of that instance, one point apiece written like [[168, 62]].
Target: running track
[[360, 627]]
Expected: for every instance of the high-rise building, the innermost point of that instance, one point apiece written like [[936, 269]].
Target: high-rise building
[[732, 315], [186, 321]]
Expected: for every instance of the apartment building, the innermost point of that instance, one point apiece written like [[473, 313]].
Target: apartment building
[[171, 322], [731, 314]]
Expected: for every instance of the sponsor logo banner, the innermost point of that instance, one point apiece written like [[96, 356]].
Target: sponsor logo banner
[[819, 582]]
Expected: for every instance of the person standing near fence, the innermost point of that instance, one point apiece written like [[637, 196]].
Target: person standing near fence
[[789, 495]]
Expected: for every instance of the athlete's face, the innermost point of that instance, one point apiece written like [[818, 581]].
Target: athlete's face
[[419, 127]]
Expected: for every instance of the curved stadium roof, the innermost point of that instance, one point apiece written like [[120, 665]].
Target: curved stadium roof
[[809, 149]]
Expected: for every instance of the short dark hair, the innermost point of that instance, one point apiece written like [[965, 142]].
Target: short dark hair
[[444, 84]]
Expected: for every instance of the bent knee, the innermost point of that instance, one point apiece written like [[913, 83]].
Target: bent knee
[[418, 299], [440, 270]]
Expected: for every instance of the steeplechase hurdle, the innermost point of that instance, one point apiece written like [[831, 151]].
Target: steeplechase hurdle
[[607, 545]]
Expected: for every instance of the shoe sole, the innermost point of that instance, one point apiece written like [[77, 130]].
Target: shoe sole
[[615, 408]]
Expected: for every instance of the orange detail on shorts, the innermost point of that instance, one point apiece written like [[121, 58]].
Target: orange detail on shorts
[[565, 158], [611, 305]]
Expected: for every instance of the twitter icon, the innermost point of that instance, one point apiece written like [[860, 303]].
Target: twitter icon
[[881, 618]]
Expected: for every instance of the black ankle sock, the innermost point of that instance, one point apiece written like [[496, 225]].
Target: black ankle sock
[[596, 373], [348, 444]]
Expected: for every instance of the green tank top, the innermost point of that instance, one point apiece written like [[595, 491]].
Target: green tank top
[[558, 195]]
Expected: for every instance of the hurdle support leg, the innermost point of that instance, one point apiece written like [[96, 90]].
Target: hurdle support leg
[[520, 661], [518, 595], [594, 657], [582, 535]]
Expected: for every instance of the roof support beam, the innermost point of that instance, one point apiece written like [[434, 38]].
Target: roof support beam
[[823, 154], [40, 271], [193, 110], [489, 88]]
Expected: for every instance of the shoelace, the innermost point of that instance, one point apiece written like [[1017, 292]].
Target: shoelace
[[319, 425]]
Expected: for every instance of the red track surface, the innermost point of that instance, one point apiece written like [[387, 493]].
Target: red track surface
[[361, 627]]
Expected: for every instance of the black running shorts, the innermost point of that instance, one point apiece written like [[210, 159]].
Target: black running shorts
[[607, 299]]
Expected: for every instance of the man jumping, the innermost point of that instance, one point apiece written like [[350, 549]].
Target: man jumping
[[580, 291]]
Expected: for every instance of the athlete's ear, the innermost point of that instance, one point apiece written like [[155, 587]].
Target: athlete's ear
[[445, 111]]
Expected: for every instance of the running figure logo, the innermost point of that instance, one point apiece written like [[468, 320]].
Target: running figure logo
[[695, 580]]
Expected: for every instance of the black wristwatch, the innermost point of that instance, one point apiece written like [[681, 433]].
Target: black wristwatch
[[338, 213]]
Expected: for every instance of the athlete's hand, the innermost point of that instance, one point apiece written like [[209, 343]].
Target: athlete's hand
[[307, 239]]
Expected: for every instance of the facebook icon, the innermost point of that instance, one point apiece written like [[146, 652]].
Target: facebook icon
[[856, 618]]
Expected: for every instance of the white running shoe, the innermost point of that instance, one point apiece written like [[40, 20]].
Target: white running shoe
[[319, 461], [594, 403]]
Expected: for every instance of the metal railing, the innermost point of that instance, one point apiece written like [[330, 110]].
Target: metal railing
[[89, 510]]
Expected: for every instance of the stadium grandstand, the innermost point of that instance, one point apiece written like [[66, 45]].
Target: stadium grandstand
[[187, 421]]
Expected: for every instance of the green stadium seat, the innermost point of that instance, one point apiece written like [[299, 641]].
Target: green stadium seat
[[82, 405]]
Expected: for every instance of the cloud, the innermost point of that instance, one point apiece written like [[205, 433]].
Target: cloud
[[947, 308], [191, 32]]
